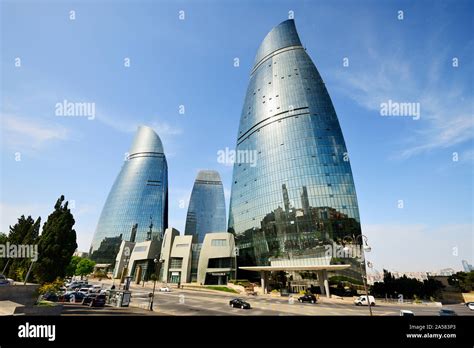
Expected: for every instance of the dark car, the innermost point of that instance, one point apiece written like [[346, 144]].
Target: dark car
[[73, 296], [239, 303], [4, 280], [50, 296], [307, 298], [94, 300], [447, 313]]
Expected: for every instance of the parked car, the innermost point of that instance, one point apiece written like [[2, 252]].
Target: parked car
[[50, 296], [447, 313], [406, 313], [4, 280], [239, 303], [362, 301], [94, 300], [470, 305], [307, 298], [95, 289], [165, 289], [72, 296], [87, 290], [75, 286]]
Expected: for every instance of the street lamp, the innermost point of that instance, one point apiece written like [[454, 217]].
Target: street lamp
[[367, 249], [156, 261]]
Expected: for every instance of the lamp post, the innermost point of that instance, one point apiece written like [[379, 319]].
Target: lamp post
[[366, 248], [155, 260]]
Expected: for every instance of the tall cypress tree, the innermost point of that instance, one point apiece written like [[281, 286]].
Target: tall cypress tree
[[56, 244], [25, 231]]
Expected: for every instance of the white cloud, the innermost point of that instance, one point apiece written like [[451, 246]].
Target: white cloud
[[27, 133], [126, 125], [446, 107]]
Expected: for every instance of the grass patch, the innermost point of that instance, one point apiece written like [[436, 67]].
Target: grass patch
[[222, 288], [44, 303]]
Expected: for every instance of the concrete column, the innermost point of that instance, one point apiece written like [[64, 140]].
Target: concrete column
[[323, 283], [263, 281], [326, 283]]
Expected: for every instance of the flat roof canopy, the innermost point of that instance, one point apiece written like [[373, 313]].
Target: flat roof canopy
[[296, 268]]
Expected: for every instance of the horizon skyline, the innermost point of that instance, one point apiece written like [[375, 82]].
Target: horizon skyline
[[79, 157]]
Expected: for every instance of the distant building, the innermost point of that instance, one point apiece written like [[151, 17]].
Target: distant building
[[206, 211], [80, 254], [467, 266]]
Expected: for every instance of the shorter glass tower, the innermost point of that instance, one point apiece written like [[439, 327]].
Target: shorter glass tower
[[138, 197], [206, 212]]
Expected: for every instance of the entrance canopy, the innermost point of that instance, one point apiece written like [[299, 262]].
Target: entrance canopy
[[322, 271], [295, 268]]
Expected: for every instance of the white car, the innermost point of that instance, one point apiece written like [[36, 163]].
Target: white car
[[362, 301], [406, 313], [165, 289], [95, 289], [470, 305]]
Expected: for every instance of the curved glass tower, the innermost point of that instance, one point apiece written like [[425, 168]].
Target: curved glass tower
[[139, 195], [298, 197], [206, 212]]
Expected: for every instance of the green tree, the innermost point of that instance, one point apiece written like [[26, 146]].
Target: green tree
[[3, 241], [56, 244], [84, 267], [71, 268], [462, 280], [25, 232], [410, 288]]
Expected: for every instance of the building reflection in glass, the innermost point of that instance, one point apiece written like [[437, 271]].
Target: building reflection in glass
[[299, 196]]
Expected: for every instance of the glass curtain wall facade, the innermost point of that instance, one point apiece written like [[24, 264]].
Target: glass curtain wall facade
[[138, 196], [206, 211], [299, 195]]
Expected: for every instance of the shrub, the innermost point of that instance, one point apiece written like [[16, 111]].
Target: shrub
[[51, 287]]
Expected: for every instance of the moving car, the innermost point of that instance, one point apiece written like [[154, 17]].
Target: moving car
[[447, 313], [362, 301], [4, 280], [165, 289], [94, 300], [470, 305], [406, 313], [239, 303], [307, 298]]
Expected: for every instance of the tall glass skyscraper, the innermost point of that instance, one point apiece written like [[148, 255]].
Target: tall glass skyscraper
[[299, 195], [206, 212], [139, 197]]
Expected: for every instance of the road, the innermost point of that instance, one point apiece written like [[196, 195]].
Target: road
[[193, 302]]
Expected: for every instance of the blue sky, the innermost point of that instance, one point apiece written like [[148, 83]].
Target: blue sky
[[190, 62]]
